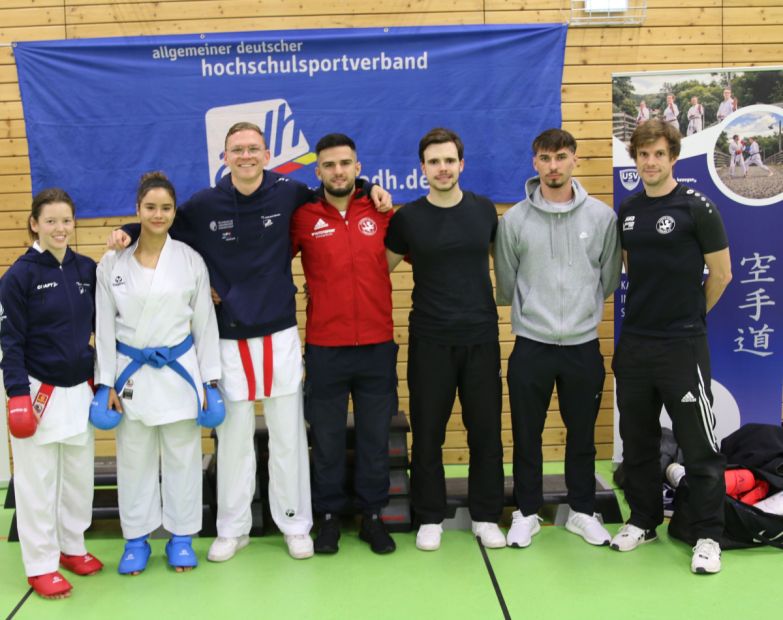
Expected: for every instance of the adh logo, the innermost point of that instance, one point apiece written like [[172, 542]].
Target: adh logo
[[288, 147], [629, 178], [368, 226]]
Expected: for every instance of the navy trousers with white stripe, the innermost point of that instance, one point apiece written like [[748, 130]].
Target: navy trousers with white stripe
[[674, 372]]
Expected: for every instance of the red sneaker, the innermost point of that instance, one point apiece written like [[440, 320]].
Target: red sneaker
[[81, 564], [50, 585]]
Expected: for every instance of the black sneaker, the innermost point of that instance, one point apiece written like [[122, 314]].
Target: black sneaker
[[373, 531], [328, 535]]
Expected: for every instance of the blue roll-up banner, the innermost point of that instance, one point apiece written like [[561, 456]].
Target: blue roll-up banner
[[100, 112], [745, 181]]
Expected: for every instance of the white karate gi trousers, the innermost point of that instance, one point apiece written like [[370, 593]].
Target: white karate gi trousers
[[159, 477], [289, 470], [53, 489]]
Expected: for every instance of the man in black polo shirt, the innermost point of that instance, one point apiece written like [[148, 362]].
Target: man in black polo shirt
[[453, 343], [669, 232]]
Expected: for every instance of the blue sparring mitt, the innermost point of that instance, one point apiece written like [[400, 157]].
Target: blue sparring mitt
[[100, 415], [215, 411]]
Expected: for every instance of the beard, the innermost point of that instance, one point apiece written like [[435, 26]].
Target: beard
[[339, 192], [556, 184]]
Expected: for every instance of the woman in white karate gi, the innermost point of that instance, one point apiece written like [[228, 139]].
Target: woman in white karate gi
[[46, 321], [157, 342]]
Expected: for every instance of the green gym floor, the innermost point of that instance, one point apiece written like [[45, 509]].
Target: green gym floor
[[558, 577]]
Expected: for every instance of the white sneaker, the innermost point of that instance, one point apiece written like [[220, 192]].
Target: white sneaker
[[489, 534], [706, 557], [674, 473], [522, 529], [225, 548], [588, 527], [428, 536], [629, 537], [300, 546]]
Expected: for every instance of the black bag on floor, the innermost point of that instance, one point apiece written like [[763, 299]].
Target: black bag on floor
[[745, 525]]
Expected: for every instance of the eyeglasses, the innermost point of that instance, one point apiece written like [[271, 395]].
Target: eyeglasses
[[251, 150]]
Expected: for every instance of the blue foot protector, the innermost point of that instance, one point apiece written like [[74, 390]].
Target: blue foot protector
[[134, 558], [179, 551]]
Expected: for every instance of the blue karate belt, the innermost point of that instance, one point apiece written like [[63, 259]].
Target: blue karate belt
[[157, 357]]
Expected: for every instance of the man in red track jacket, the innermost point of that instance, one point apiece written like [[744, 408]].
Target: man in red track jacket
[[349, 343]]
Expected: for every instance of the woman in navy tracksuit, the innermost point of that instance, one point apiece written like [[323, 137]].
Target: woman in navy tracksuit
[[46, 321]]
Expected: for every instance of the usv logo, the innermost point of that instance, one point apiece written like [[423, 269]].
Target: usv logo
[[288, 146], [629, 178]]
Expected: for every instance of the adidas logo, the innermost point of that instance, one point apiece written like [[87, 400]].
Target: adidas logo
[[320, 224], [130, 556], [184, 552], [688, 398], [56, 579]]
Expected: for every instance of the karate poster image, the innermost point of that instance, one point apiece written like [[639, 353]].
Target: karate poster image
[[731, 122]]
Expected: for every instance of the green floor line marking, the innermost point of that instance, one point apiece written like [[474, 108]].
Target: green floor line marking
[[494, 580], [19, 604]]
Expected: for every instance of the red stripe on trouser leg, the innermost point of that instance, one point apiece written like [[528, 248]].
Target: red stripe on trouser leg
[[247, 366], [268, 365]]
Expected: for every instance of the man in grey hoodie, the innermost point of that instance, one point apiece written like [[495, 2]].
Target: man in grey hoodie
[[557, 257]]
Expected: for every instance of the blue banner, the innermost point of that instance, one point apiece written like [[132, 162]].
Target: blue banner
[[715, 108], [100, 112]]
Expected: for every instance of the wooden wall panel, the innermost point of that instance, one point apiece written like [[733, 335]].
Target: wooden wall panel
[[676, 34]]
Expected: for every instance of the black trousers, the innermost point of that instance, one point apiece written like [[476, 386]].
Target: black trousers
[[436, 374], [534, 369], [369, 374], [673, 372]]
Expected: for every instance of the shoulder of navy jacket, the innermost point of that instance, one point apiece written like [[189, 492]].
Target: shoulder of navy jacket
[[271, 177], [30, 256], [225, 183], [86, 260]]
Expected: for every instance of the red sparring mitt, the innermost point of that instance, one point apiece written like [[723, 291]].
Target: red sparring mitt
[[738, 482], [22, 420], [756, 494]]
